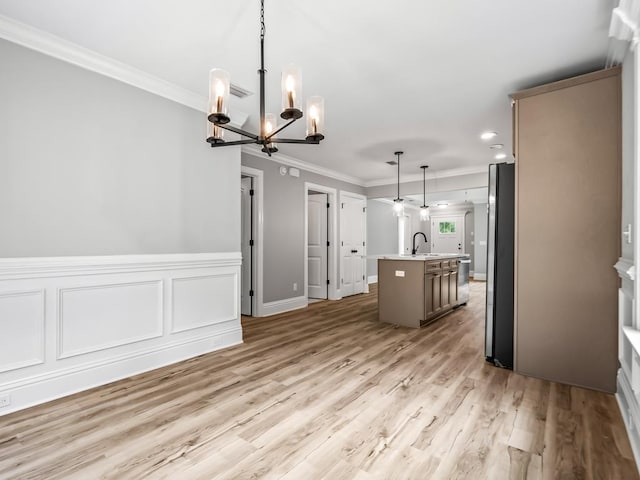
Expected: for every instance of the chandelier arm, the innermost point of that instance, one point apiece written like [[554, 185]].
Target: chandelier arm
[[239, 131], [272, 134], [296, 140], [235, 142]]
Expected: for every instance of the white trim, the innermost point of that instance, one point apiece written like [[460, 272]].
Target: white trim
[[332, 250], [258, 264], [255, 151], [286, 305], [39, 267], [372, 279], [56, 47], [630, 414], [480, 276], [454, 172], [30, 391]]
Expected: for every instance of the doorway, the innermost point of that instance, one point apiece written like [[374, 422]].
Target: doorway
[[251, 235], [353, 231], [319, 210], [318, 245], [447, 234]]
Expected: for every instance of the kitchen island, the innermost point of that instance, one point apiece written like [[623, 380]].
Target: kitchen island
[[415, 290]]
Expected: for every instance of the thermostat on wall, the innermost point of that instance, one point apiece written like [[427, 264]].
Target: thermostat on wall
[[283, 170], [294, 172]]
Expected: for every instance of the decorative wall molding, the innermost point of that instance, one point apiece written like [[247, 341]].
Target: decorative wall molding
[[196, 301], [53, 46], [91, 318], [286, 305], [69, 324], [23, 311], [23, 268]]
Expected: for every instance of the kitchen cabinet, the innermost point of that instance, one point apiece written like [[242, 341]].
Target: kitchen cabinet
[[567, 229], [414, 291]]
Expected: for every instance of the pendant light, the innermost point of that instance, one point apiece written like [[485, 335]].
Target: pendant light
[[398, 203], [424, 209], [218, 112]]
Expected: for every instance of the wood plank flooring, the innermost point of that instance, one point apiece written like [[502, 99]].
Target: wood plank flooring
[[327, 392]]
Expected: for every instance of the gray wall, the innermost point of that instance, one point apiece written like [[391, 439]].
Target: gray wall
[[284, 225], [480, 237], [382, 232], [92, 166], [628, 128]]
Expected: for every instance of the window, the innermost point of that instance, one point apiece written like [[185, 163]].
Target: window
[[447, 227]]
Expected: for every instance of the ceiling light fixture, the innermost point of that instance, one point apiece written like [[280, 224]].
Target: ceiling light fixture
[[443, 205], [500, 156], [219, 88], [488, 135], [496, 146], [398, 203], [424, 209]]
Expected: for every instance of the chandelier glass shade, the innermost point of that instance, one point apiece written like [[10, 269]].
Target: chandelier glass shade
[[292, 101]]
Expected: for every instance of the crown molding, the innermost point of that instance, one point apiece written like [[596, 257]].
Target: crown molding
[[56, 47], [254, 151], [454, 172]]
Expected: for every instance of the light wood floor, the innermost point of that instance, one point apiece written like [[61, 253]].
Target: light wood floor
[[327, 392]]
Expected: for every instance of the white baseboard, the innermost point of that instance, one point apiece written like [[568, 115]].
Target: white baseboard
[[44, 388], [72, 323], [372, 279], [630, 414], [480, 276], [286, 305]]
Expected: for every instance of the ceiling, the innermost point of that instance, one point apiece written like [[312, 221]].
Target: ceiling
[[423, 77]]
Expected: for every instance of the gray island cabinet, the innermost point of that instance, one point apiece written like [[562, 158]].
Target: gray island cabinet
[[416, 290]]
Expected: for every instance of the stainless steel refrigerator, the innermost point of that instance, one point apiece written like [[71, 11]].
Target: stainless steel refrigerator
[[500, 240]]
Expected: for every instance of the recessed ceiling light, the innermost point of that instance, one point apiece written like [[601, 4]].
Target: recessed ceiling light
[[488, 135], [442, 205], [500, 156], [496, 146]]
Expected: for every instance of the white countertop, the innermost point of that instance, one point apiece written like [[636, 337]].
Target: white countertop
[[422, 257]]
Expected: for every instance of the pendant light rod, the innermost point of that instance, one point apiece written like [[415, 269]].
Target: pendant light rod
[[218, 107], [398, 155], [424, 184]]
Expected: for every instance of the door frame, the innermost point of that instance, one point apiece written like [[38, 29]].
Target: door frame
[[459, 216], [333, 292], [358, 196], [258, 240]]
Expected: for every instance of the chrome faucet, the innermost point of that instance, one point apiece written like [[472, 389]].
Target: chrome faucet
[[414, 249]]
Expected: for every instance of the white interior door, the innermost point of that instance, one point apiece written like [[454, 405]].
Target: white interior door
[[245, 239], [352, 245], [317, 216], [447, 234]]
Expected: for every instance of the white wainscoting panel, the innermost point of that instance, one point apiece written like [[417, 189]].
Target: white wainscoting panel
[[21, 329], [70, 324], [96, 317], [203, 301]]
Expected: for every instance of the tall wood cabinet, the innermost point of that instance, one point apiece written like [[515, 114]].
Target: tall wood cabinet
[[567, 147]]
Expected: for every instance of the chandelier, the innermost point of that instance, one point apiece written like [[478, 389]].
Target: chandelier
[[219, 89]]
